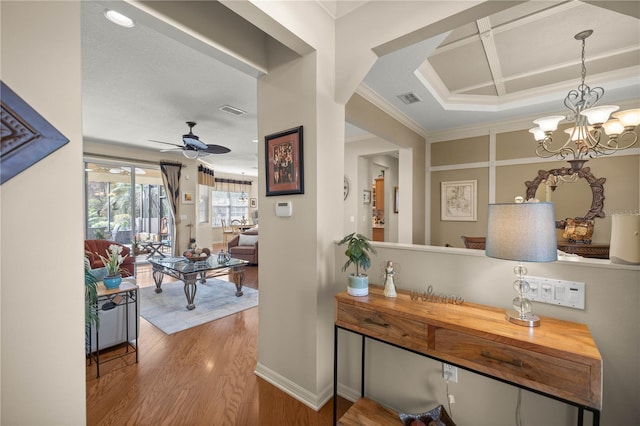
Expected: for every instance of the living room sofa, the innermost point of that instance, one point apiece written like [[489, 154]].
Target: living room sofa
[[245, 246], [93, 249]]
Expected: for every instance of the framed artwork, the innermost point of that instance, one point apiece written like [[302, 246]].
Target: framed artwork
[[285, 166], [26, 137], [459, 200], [253, 203], [187, 198], [396, 199], [366, 196]]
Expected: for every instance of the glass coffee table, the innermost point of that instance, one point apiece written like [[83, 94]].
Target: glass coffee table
[[193, 272]]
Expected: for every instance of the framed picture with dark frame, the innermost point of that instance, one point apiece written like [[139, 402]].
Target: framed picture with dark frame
[[284, 162], [27, 137]]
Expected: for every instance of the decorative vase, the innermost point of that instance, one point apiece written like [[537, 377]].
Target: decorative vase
[[358, 285], [112, 282]]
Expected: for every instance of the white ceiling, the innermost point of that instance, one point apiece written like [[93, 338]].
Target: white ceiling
[[139, 84]]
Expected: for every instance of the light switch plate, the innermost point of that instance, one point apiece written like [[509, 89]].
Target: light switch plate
[[556, 292]]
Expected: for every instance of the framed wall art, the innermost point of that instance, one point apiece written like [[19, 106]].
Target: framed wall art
[[366, 196], [187, 198], [285, 165], [459, 200], [26, 136]]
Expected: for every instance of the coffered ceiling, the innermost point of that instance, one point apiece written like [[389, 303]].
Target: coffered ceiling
[[141, 84]]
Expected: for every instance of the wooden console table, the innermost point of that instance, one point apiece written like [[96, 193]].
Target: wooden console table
[[558, 359]]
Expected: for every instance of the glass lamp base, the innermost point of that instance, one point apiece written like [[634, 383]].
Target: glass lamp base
[[529, 320]]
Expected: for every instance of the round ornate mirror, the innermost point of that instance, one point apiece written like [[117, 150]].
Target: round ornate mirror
[[595, 184]]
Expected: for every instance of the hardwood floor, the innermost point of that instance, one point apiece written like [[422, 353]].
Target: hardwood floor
[[200, 376]]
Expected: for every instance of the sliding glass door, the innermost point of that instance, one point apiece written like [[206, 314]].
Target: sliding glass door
[[126, 203]]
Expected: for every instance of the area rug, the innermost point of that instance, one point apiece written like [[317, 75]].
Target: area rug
[[214, 300]]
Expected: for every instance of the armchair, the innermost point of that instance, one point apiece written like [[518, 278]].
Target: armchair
[[245, 246], [93, 249]]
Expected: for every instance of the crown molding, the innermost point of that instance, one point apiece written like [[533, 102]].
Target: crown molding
[[387, 107]]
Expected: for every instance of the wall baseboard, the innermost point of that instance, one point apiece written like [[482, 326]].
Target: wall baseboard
[[311, 400]]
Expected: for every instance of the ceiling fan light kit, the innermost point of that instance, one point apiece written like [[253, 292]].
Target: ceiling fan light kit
[[192, 140], [593, 133]]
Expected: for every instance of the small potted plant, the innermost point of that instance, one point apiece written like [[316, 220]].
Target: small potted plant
[[358, 249], [113, 263]]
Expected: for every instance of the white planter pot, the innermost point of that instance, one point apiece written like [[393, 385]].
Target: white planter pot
[[358, 285]]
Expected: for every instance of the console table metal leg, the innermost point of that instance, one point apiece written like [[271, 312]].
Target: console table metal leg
[[97, 352], [362, 372], [137, 330], [335, 374]]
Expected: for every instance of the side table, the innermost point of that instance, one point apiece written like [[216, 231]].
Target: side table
[[123, 296]]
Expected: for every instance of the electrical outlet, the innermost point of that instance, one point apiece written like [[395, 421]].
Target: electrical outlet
[[450, 373]]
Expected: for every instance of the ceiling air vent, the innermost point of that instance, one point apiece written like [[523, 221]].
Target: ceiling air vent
[[232, 110], [409, 98]]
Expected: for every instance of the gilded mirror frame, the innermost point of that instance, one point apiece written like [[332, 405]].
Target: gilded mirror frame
[[596, 185]]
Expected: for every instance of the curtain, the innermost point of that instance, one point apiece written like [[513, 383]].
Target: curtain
[[232, 185], [205, 176], [171, 171]]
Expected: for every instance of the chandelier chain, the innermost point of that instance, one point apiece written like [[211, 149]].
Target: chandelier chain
[[584, 67]]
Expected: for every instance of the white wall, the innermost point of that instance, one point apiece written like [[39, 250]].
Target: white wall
[[296, 253], [42, 290], [411, 383]]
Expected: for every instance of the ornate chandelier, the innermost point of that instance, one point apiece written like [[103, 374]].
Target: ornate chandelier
[[593, 133]]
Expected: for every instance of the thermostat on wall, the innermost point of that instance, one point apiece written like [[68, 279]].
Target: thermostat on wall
[[283, 208]]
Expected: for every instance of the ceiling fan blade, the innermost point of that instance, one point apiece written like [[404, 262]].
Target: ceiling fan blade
[[216, 149], [166, 143]]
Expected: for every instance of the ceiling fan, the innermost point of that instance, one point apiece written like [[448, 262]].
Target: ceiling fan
[[192, 146]]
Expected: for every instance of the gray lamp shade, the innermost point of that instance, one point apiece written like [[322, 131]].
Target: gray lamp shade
[[523, 232]]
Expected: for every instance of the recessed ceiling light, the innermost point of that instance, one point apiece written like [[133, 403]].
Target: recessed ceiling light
[[116, 170], [118, 18], [255, 141]]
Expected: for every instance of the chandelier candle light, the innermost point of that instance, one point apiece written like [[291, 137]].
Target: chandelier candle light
[[524, 232], [593, 133]]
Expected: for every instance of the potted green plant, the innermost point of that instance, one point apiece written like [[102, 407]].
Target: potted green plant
[[90, 296], [113, 263], [358, 249]]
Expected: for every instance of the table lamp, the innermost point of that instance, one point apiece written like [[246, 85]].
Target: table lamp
[[523, 232]]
